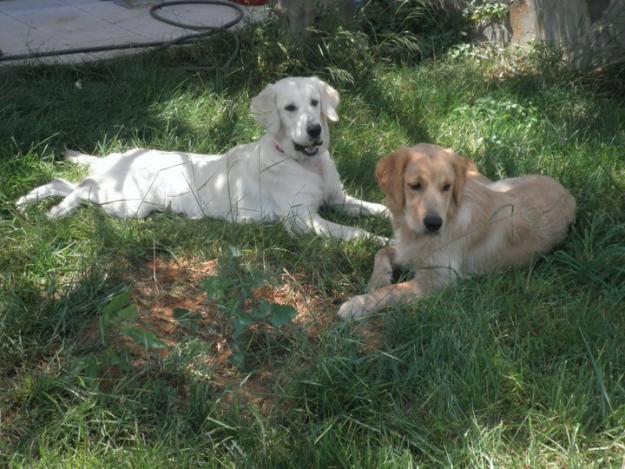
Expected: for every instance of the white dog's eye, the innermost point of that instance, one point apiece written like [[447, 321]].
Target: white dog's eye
[[290, 107], [446, 187], [416, 186], [314, 102]]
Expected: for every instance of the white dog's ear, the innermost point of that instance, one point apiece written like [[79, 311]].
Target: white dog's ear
[[264, 109], [329, 99]]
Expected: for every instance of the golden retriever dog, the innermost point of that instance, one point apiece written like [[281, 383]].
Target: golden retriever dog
[[450, 221]]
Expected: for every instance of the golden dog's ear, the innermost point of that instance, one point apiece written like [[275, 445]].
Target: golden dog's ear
[[472, 167], [390, 175], [461, 166]]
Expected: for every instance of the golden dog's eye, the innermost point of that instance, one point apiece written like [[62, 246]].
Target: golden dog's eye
[[290, 107], [446, 187], [314, 102], [416, 186]]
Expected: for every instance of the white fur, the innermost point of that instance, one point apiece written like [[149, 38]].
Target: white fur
[[268, 180]]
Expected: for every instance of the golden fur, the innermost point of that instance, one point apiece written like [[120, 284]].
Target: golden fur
[[450, 221]]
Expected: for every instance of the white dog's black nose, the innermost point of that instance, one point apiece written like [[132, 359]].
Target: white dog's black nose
[[432, 223], [314, 130]]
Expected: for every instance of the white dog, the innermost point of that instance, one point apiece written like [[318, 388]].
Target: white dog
[[287, 175]]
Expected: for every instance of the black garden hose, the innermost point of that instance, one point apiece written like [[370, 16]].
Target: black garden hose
[[204, 31]]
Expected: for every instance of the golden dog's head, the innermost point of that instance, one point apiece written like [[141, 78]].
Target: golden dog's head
[[423, 185]]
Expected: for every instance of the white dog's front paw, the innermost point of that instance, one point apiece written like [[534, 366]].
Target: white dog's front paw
[[383, 240], [353, 308], [21, 205], [385, 212]]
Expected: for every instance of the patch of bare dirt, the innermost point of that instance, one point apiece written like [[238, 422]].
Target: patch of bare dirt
[[163, 285]]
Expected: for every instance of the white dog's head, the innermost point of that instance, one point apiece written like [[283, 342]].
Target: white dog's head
[[295, 111]]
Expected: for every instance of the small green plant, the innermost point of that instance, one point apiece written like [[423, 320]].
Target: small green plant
[[118, 317], [484, 11], [462, 52], [234, 291], [492, 109]]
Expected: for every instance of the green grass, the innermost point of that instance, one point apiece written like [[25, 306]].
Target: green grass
[[515, 369]]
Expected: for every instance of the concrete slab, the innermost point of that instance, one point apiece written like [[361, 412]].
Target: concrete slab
[[18, 38], [50, 25], [17, 5]]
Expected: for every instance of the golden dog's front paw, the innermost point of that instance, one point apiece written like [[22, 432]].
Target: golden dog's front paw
[[382, 274], [353, 308]]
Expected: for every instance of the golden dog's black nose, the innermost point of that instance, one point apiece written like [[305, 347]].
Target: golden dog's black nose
[[432, 223]]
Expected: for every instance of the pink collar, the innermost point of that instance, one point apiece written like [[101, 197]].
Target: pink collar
[[278, 147]]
